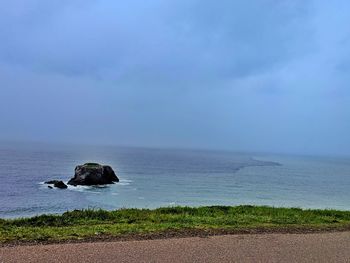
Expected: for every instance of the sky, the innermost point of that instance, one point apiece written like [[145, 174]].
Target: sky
[[265, 76]]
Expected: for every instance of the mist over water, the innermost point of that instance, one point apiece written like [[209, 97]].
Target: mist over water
[[268, 76], [152, 178]]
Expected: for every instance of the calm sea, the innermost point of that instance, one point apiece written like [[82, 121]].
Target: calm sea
[[152, 178]]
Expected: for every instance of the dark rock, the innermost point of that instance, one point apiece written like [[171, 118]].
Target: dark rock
[[57, 183], [60, 185], [93, 174], [52, 182], [49, 186]]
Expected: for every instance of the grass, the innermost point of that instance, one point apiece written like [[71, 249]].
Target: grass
[[87, 224], [92, 165]]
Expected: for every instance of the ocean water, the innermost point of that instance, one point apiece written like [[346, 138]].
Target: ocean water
[[151, 178]]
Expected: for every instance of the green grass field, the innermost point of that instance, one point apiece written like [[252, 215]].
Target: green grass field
[[87, 224]]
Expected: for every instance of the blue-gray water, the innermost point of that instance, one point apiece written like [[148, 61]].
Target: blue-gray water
[[152, 178]]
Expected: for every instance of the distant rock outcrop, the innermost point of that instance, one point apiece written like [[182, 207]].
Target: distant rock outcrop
[[57, 183], [93, 174]]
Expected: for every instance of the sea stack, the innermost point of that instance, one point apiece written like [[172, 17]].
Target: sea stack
[[93, 174]]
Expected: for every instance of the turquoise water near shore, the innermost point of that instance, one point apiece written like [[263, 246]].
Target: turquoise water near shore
[[152, 178]]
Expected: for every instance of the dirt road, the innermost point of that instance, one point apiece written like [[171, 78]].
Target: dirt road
[[321, 247]]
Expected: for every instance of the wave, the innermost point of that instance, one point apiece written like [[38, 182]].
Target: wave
[[124, 182], [87, 187], [265, 163]]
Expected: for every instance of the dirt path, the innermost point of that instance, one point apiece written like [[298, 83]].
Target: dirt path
[[321, 247]]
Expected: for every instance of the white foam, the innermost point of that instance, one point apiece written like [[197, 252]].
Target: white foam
[[79, 188], [123, 183], [125, 180], [88, 188]]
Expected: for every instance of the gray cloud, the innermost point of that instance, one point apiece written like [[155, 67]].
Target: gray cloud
[[254, 75], [187, 38]]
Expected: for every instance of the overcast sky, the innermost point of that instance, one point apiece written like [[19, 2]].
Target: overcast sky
[[264, 75]]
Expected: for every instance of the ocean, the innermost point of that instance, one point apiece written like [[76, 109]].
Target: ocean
[[151, 178]]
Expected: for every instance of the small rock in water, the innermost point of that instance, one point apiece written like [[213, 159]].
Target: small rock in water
[[93, 174], [57, 183]]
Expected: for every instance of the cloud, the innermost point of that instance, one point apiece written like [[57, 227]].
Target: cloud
[[244, 75], [185, 40]]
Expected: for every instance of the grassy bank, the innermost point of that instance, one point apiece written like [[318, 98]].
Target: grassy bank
[[87, 224]]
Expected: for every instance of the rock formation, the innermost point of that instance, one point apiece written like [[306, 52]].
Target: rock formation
[[57, 183], [93, 174]]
